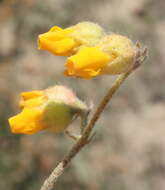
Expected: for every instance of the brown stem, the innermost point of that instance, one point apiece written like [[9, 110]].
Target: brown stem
[[85, 138]]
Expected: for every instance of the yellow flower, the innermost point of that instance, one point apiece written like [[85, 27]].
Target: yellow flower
[[29, 121], [67, 41], [31, 99], [91, 51], [53, 109], [87, 63], [114, 54]]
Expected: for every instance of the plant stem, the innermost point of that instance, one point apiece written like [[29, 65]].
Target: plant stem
[[85, 138]]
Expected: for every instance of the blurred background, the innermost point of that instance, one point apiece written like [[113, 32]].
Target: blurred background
[[128, 151]]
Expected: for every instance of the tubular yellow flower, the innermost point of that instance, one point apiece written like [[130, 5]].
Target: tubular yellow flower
[[67, 41], [29, 121], [114, 54], [31, 99], [53, 109], [87, 63]]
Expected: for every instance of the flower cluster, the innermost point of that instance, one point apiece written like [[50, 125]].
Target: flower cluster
[[91, 52]]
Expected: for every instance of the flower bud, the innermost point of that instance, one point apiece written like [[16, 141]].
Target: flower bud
[[52, 109], [67, 41]]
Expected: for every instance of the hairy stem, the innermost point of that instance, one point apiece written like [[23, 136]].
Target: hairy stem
[[85, 138]]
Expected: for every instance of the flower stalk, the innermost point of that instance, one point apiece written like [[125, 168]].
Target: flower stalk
[[85, 138]]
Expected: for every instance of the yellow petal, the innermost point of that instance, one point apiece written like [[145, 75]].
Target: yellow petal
[[62, 47], [32, 102], [54, 34], [55, 29], [57, 41], [32, 99], [31, 94], [88, 62], [29, 121]]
